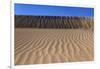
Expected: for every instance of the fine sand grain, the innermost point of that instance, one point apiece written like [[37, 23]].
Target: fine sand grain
[[40, 46]]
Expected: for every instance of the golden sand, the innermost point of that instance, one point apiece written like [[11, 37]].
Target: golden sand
[[40, 46]]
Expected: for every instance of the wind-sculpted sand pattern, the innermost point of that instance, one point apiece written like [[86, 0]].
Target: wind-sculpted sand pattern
[[40, 46]]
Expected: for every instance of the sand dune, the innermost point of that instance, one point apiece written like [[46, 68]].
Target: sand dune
[[52, 45], [59, 22], [53, 39]]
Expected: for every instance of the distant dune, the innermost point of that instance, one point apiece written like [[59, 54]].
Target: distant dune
[[56, 22], [54, 39]]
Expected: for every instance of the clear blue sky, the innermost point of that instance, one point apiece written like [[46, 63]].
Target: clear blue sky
[[46, 10]]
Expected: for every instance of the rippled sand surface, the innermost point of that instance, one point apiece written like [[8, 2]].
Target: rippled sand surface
[[40, 46]]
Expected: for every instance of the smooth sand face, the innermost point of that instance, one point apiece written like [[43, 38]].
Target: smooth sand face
[[40, 46]]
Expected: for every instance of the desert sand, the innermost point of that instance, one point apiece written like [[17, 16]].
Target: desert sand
[[54, 22], [40, 46]]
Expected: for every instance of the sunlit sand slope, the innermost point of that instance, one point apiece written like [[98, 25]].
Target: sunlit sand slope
[[40, 46]]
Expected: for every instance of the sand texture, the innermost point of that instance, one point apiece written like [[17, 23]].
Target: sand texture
[[40, 46]]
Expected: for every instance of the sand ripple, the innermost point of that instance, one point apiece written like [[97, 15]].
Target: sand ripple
[[52, 45]]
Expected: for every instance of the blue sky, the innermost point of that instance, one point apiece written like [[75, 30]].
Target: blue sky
[[46, 10]]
